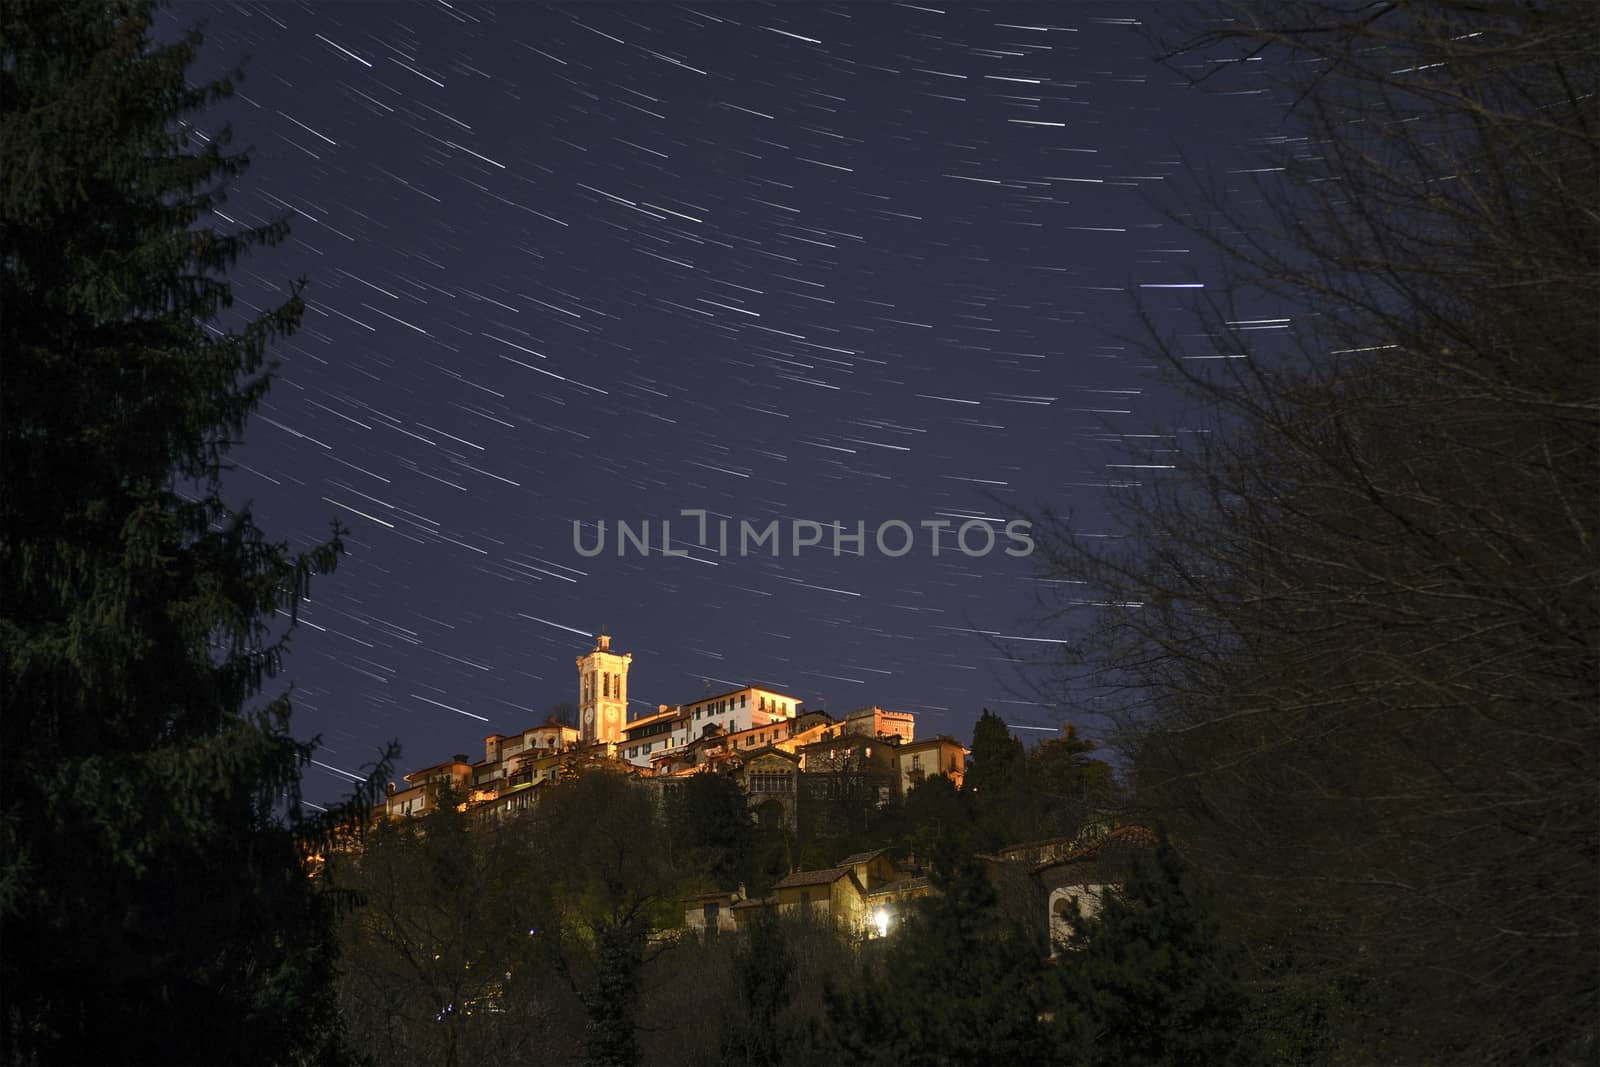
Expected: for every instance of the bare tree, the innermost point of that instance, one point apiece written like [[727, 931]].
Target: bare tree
[[1355, 643]]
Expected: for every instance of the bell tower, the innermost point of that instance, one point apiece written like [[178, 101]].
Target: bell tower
[[602, 692]]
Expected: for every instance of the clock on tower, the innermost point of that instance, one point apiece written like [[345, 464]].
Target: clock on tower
[[603, 691]]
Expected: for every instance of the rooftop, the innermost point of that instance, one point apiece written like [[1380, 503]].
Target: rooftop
[[653, 717], [1123, 836], [862, 857], [741, 689], [825, 876], [904, 885]]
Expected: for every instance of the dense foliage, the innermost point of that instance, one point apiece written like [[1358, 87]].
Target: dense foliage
[[556, 934], [1151, 973], [960, 983], [153, 893]]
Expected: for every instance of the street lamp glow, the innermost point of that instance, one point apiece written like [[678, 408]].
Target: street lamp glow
[[880, 919]]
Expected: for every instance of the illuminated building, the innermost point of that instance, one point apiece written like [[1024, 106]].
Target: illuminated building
[[421, 793], [602, 692], [832, 893], [917, 760]]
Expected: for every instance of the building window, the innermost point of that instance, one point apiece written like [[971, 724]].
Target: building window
[[771, 783]]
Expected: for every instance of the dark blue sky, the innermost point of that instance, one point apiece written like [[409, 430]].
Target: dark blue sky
[[853, 262]]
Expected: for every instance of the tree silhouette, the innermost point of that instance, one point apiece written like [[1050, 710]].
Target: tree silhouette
[[1355, 641], [1151, 973], [153, 889]]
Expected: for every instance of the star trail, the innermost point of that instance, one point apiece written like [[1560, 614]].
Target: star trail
[[795, 262]]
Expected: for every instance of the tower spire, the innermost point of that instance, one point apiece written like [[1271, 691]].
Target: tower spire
[[602, 691]]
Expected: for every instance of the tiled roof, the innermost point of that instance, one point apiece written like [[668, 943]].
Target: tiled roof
[[823, 877], [904, 885], [1125, 835], [1026, 846], [932, 742], [862, 857], [718, 696], [721, 894]]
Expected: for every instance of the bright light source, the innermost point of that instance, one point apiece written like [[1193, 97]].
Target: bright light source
[[880, 919]]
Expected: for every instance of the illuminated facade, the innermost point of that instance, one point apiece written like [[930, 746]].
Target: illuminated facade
[[794, 767], [420, 794], [919, 760], [602, 692], [866, 895]]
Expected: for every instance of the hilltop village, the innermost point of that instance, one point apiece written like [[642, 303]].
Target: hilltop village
[[782, 756], [790, 764]]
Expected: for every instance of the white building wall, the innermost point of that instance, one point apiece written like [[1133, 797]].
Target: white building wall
[[1089, 898]]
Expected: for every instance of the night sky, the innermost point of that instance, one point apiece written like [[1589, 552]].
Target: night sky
[[852, 262]]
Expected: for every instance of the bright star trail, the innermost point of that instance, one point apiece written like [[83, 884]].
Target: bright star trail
[[850, 262]]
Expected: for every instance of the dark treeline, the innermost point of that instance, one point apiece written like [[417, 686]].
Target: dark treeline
[[557, 935]]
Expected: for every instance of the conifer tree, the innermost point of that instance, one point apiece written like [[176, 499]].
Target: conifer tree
[[997, 757], [1151, 974], [996, 781], [154, 900]]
